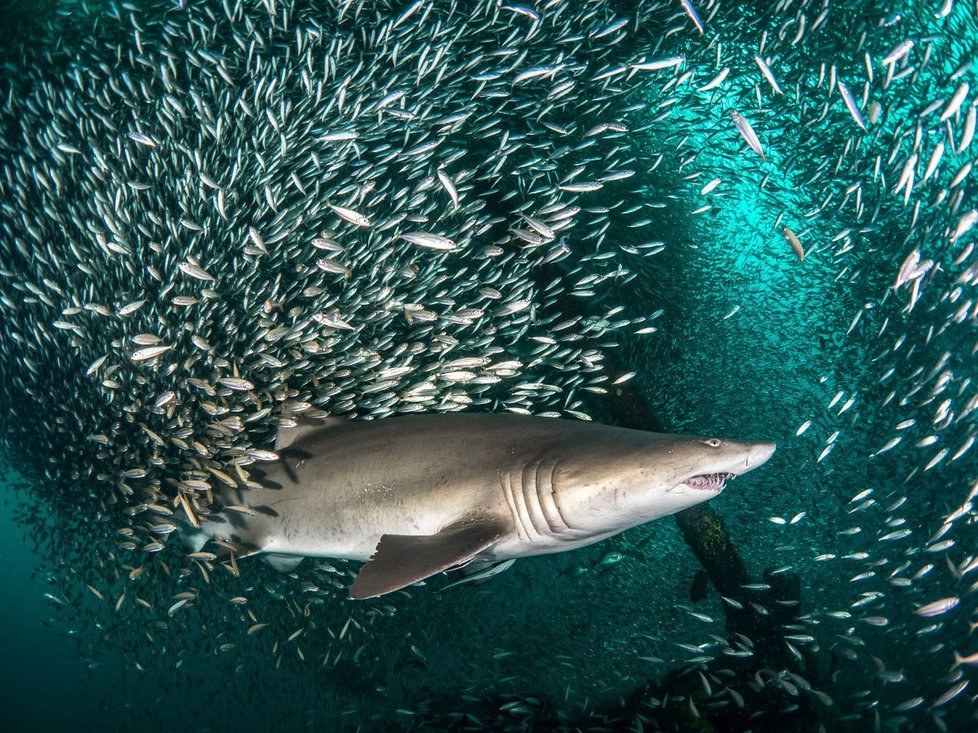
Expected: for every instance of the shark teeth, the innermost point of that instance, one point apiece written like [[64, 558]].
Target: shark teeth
[[708, 481]]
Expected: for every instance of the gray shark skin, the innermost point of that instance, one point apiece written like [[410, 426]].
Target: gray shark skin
[[416, 495]]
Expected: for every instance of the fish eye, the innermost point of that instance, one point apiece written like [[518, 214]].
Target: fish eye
[[713, 442]]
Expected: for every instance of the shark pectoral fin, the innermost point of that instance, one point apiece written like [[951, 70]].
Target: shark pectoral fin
[[404, 559], [283, 563]]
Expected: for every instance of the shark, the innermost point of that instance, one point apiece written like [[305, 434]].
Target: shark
[[416, 495]]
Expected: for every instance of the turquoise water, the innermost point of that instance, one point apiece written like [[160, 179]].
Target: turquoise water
[[127, 159], [42, 663]]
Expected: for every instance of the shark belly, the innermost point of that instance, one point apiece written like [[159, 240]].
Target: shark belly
[[513, 548]]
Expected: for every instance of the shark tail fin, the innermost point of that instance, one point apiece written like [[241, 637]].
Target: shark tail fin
[[198, 523], [195, 530], [193, 538], [193, 535]]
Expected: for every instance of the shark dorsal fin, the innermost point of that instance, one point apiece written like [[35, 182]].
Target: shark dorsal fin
[[400, 560], [304, 426]]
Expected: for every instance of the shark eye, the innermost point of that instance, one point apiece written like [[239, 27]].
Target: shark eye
[[712, 442]]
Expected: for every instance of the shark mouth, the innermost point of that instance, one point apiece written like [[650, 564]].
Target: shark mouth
[[708, 482]]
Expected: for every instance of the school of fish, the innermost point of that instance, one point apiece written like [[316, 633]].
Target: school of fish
[[219, 216]]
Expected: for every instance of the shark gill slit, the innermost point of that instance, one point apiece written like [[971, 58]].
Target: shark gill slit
[[553, 498], [507, 484], [545, 497], [525, 499], [531, 497]]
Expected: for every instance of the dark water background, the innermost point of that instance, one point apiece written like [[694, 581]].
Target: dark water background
[[42, 681], [573, 639]]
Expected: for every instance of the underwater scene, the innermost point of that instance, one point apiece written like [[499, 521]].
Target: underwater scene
[[418, 365]]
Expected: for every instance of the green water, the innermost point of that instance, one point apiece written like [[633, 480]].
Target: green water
[[750, 343]]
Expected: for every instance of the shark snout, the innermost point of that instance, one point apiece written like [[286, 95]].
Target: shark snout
[[758, 454]]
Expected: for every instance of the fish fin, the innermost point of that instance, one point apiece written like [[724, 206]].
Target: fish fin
[[482, 572], [304, 426], [281, 562], [401, 560], [192, 538]]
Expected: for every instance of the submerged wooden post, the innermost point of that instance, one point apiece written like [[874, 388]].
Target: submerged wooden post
[[705, 532]]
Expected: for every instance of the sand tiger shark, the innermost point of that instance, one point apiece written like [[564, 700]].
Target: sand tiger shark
[[417, 495]]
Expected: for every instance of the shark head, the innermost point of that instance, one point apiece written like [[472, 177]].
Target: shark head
[[605, 486]]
